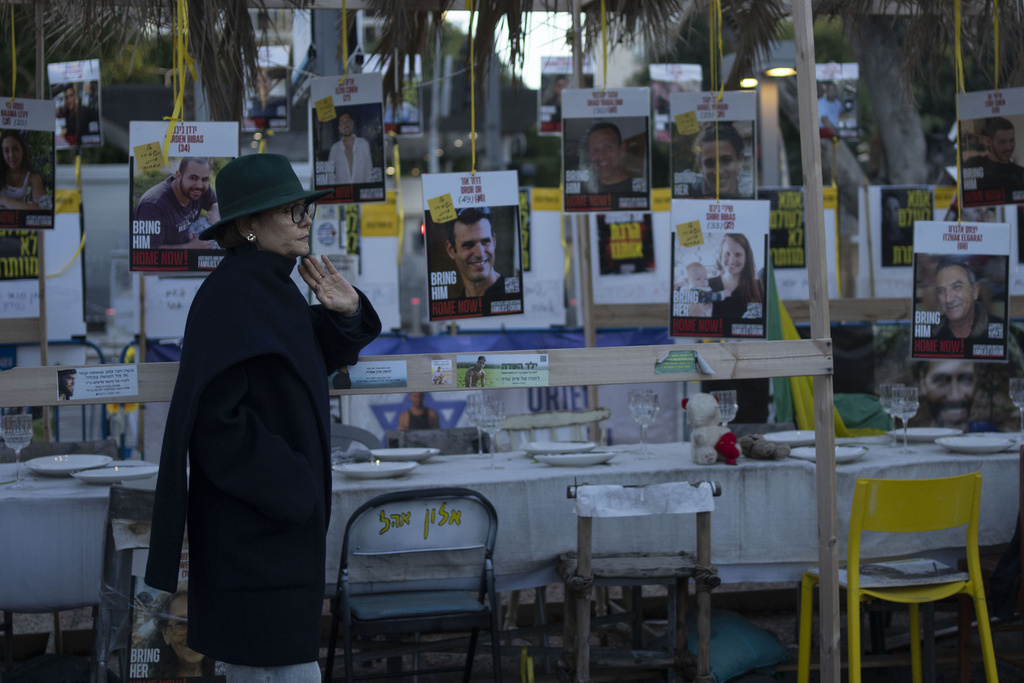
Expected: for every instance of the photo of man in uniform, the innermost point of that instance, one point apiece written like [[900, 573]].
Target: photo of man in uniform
[[957, 292], [350, 154], [177, 203], [995, 169]]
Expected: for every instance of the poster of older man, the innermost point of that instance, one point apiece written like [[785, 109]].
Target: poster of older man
[[713, 145], [348, 137], [989, 161], [961, 271], [606, 148], [474, 253], [75, 90]]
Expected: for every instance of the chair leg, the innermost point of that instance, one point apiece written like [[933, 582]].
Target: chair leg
[[803, 666], [853, 634], [915, 642], [965, 610], [988, 653]]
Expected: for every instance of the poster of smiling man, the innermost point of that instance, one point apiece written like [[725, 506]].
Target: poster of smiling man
[[474, 253], [719, 252], [606, 148], [26, 141], [989, 161], [174, 200], [348, 137], [75, 89], [960, 290], [713, 145]]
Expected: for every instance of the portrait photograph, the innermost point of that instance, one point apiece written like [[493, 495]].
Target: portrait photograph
[[900, 208], [348, 142], [556, 76], [991, 166], [713, 145], [75, 90], [27, 164], [837, 99]]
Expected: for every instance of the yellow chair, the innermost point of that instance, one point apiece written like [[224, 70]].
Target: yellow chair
[[905, 505]]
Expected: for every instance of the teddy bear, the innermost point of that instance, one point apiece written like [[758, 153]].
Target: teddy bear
[[756, 447], [708, 439]]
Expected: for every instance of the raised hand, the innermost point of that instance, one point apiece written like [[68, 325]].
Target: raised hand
[[330, 288]]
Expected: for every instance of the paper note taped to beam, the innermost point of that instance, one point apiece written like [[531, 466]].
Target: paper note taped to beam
[[682, 361], [678, 497]]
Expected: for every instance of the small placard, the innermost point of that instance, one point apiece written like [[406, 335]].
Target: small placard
[[830, 195], [378, 374], [68, 201], [682, 362], [442, 209], [686, 123], [546, 199], [97, 382], [689, 234], [149, 157], [325, 109], [504, 370]]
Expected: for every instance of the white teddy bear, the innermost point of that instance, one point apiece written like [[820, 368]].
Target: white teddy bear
[[708, 439]]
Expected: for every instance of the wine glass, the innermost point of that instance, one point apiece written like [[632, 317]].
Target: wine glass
[[727, 405], [1017, 396], [905, 406], [886, 394], [643, 406], [491, 420], [17, 432], [474, 409]]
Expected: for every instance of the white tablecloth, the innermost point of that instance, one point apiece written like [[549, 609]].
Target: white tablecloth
[[764, 524]]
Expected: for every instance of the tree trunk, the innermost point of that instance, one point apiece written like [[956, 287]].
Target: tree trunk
[[876, 44]]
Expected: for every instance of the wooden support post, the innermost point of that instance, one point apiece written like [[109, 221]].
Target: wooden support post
[[584, 528], [824, 420]]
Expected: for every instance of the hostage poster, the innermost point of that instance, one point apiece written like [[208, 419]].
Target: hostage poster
[[719, 256], [960, 290], [474, 254], [75, 89], [172, 200], [989, 162], [27, 139], [713, 145]]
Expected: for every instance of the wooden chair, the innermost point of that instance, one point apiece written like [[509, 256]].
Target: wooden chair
[[527, 426], [904, 506], [583, 570], [965, 630], [425, 555]]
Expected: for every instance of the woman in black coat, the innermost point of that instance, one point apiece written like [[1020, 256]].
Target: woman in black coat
[[250, 415]]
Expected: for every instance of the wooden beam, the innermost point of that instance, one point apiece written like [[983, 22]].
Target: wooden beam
[[19, 331], [37, 386]]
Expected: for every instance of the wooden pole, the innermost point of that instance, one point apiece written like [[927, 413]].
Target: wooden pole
[[824, 439], [44, 355]]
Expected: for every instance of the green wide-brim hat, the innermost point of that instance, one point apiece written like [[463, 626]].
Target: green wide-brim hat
[[254, 183]]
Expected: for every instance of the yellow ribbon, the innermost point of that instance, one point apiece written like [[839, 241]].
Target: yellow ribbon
[[14, 61], [181, 62], [472, 90], [74, 257], [959, 89], [344, 39], [604, 48], [715, 20]]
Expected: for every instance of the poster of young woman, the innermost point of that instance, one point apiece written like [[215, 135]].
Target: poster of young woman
[[348, 137], [989, 121], [719, 257], [266, 100], [713, 145], [474, 257], [960, 290], [75, 89], [27, 163], [665, 80], [172, 201], [402, 118], [556, 76], [606, 148]]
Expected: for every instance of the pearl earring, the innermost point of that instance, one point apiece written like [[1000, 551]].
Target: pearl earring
[[250, 237]]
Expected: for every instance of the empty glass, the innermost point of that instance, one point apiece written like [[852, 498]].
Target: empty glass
[[17, 433], [886, 394], [643, 406], [727, 405], [905, 406], [1017, 396], [474, 409], [491, 420]]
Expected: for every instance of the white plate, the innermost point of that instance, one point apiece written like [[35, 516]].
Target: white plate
[[843, 453], [794, 437], [403, 454], [575, 459], [974, 445], [550, 447], [122, 471], [923, 434], [375, 470], [64, 465]]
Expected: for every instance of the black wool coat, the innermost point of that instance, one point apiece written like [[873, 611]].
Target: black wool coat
[[250, 414]]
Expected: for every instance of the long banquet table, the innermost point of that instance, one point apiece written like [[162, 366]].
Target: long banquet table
[[764, 526]]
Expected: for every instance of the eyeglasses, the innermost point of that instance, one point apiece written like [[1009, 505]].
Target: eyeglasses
[[300, 210], [177, 625]]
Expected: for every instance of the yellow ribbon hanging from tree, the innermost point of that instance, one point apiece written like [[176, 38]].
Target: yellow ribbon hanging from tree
[[182, 63], [471, 4]]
